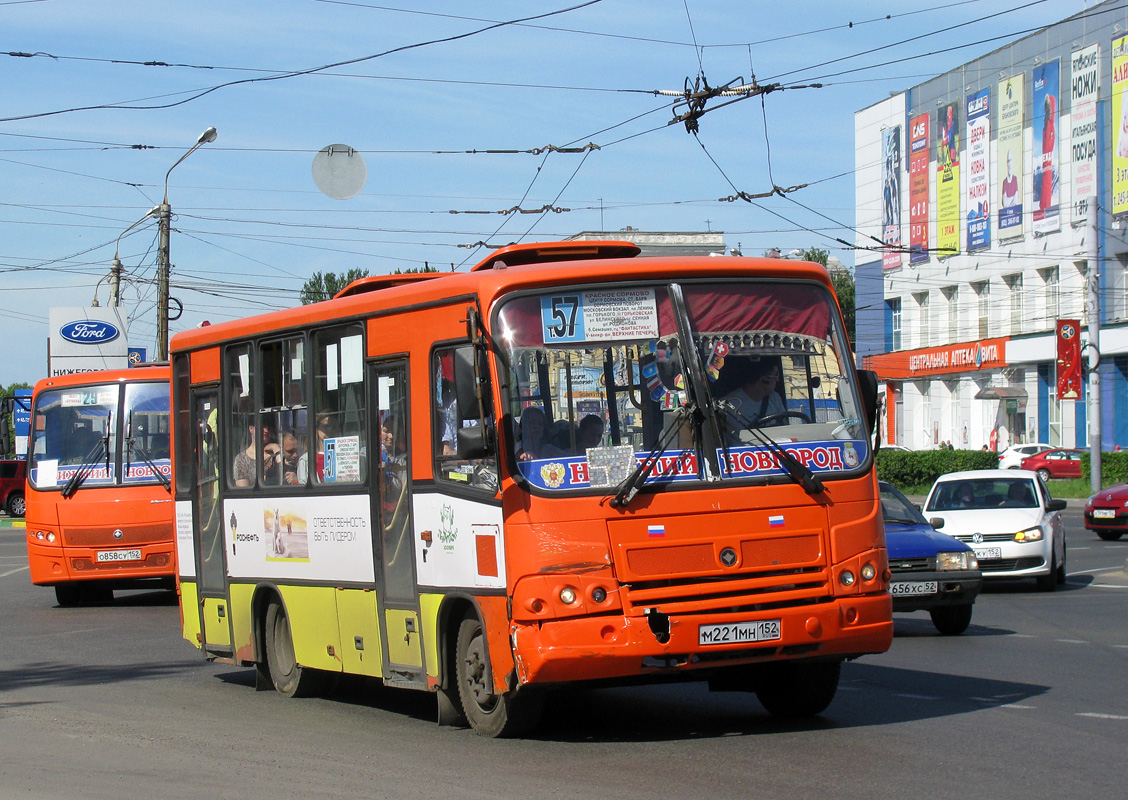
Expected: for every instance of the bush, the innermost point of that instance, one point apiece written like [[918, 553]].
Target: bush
[[921, 468], [1114, 467]]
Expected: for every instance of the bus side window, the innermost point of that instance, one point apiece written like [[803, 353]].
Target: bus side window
[[337, 449], [283, 410], [479, 470], [242, 432]]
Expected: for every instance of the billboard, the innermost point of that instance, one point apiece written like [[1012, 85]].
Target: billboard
[[1012, 92], [948, 180], [85, 340], [978, 170], [1084, 86], [1120, 123], [918, 189], [891, 196], [1047, 79]]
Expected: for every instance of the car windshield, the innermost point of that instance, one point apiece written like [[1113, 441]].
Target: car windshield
[[983, 493], [699, 374], [895, 507]]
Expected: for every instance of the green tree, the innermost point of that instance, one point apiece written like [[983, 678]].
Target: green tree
[[6, 391], [323, 286], [843, 285]]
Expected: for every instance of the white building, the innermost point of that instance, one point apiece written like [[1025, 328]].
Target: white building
[[978, 181]]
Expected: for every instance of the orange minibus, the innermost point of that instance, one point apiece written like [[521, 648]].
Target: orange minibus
[[570, 464], [99, 496]]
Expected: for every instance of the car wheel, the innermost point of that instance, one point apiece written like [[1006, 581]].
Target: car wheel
[[1110, 536], [797, 689], [1060, 574], [951, 620], [16, 506]]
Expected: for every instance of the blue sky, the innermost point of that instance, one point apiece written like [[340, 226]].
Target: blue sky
[[88, 131]]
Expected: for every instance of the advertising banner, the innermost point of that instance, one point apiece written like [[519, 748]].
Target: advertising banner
[[1084, 86], [918, 189], [1068, 359], [948, 180], [1120, 123], [86, 339], [891, 192], [1012, 92], [978, 170], [1047, 79]]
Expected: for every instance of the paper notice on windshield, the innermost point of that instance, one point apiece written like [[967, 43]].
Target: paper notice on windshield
[[599, 316], [48, 473]]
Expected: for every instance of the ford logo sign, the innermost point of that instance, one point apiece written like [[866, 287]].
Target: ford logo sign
[[89, 331]]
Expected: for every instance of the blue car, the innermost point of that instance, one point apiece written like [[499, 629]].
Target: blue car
[[931, 570]]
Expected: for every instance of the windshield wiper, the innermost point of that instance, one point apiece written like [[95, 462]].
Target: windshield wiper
[[799, 472], [101, 446], [633, 482]]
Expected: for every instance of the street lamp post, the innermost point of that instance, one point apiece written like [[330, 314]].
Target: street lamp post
[[115, 267], [164, 218]]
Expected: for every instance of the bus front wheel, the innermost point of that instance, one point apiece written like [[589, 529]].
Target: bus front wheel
[[288, 676], [798, 689], [490, 714]]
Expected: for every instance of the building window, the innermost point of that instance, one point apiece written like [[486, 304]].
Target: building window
[[983, 295], [952, 296], [1051, 288], [893, 324], [924, 318], [1014, 286]]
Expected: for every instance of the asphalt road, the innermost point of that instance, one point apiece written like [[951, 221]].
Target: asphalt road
[[110, 702]]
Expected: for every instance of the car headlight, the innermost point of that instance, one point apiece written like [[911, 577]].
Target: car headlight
[[1029, 535], [961, 560]]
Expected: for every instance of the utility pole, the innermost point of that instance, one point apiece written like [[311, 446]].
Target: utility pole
[[1094, 304], [164, 220]]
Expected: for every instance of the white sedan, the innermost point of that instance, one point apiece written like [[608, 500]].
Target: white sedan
[[1011, 458], [1008, 519]]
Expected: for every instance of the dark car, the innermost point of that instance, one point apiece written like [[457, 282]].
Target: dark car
[[12, 477], [931, 570], [1106, 512], [1058, 463]]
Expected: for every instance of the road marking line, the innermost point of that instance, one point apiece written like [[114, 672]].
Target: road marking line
[[916, 696], [1101, 716], [13, 571], [1071, 641], [1019, 706]]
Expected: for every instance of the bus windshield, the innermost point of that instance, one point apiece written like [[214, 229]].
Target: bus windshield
[[77, 430], [709, 378]]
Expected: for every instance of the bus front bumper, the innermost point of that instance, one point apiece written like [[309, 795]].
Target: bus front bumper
[[608, 647]]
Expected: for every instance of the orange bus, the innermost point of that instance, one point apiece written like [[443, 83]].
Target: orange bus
[[99, 494], [541, 471]]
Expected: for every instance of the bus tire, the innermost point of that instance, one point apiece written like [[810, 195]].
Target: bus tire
[[490, 714], [798, 689], [288, 676], [68, 595]]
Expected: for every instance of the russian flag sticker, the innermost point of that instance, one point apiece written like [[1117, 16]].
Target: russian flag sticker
[[656, 530], [776, 520]]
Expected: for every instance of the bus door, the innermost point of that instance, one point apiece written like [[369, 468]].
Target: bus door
[[211, 553], [393, 545]]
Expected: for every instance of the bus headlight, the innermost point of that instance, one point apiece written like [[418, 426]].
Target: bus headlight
[[868, 572], [846, 578], [567, 595]]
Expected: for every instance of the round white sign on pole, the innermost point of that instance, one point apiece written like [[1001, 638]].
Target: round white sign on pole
[[339, 171]]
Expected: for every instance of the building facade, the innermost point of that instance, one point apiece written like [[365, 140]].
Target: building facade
[[980, 247]]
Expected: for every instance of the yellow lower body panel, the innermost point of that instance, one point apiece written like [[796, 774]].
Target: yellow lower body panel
[[359, 629], [190, 613]]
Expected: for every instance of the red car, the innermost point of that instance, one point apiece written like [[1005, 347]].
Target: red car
[[12, 474], [1106, 512], [1060, 463]]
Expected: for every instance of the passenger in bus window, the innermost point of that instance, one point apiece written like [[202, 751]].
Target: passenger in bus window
[[291, 453], [532, 433], [323, 429], [245, 465], [590, 433]]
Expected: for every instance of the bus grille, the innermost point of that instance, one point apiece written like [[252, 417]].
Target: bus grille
[[746, 592], [103, 536]]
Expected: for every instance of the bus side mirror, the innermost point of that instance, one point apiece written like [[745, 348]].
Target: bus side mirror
[[474, 441], [868, 380], [466, 384]]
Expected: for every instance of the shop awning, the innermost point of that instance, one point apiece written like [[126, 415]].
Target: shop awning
[[1001, 393]]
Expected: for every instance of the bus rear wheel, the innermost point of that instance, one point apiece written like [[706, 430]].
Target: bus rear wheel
[[288, 676], [798, 689], [490, 714]]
